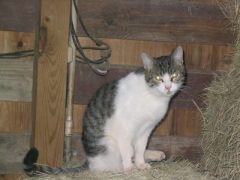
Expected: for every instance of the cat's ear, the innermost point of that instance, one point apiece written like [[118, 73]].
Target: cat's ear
[[177, 56], [148, 61]]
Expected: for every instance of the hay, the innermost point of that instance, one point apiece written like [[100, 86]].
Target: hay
[[221, 127], [168, 170]]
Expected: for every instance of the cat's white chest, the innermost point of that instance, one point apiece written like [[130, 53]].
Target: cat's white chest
[[135, 102]]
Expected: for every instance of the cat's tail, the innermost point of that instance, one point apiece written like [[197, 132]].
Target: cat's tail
[[32, 169]]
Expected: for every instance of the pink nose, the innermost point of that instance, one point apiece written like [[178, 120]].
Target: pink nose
[[168, 87]]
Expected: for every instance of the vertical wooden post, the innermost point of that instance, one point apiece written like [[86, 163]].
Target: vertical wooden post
[[49, 86]]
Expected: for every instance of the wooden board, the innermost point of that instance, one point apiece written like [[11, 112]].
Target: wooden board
[[187, 123], [165, 20], [18, 15], [196, 56], [16, 80], [196, 21], [15, 116], [187, 147], [49, 88], [13, 177], [11, 163], [16, 41], [87, 83], [19, 144], [124, 52]]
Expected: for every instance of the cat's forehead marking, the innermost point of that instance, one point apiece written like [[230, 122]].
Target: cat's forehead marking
[[166, 77]]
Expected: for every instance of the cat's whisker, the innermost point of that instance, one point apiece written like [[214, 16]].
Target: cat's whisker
[[187, 90]]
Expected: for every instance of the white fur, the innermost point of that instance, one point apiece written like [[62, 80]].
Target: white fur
[[139, 109]]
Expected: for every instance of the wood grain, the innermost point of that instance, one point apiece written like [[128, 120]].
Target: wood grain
[[16, 41], [78, 112], [196, 56], [187, 123], [165, 20], [19, 144], [125, 52], [15, 116], [13, 177], [16, 80], [18, 15], [49, 89], [190, 21], [166, 126]]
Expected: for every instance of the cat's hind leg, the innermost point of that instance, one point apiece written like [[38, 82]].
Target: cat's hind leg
[[109, 161], [152, 155]]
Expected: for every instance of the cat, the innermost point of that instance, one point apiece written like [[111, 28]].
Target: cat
[[121, 116]]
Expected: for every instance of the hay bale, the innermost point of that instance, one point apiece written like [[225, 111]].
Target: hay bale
[[168, 170], [221, 127]]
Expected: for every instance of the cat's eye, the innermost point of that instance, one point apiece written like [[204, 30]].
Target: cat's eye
[[175, 75], [158, 78]]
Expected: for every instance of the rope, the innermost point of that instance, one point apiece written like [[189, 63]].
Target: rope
[[105, 51], [18, 54]]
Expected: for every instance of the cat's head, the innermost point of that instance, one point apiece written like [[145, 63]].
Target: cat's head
[[165, 75]]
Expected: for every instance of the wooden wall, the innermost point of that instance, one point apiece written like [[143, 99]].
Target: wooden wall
[[15, 116], [128, 37]]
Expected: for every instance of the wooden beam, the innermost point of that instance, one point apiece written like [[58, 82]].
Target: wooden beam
[[49, 82], [87, 83], [158, 20], [155, 20]]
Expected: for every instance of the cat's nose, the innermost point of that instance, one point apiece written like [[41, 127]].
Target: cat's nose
[[168, 87]]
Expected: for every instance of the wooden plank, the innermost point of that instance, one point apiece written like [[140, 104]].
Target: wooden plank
[[187, 147], [11, 163], [18, 15], [124, 52], [15, 116], [16, 74], [78, 113], [158, 20], [49, 88], [16, 80], [196, 21], [187, 123], [16, 41], [13, 177], [19, 144], [166, 126], [197, 56], [87, 83]]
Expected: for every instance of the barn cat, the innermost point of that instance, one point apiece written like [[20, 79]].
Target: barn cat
[[122, 114]]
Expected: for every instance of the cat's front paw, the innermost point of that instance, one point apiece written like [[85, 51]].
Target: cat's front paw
[[130, 169], [143, 166], [151, 155], [118, 169]]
